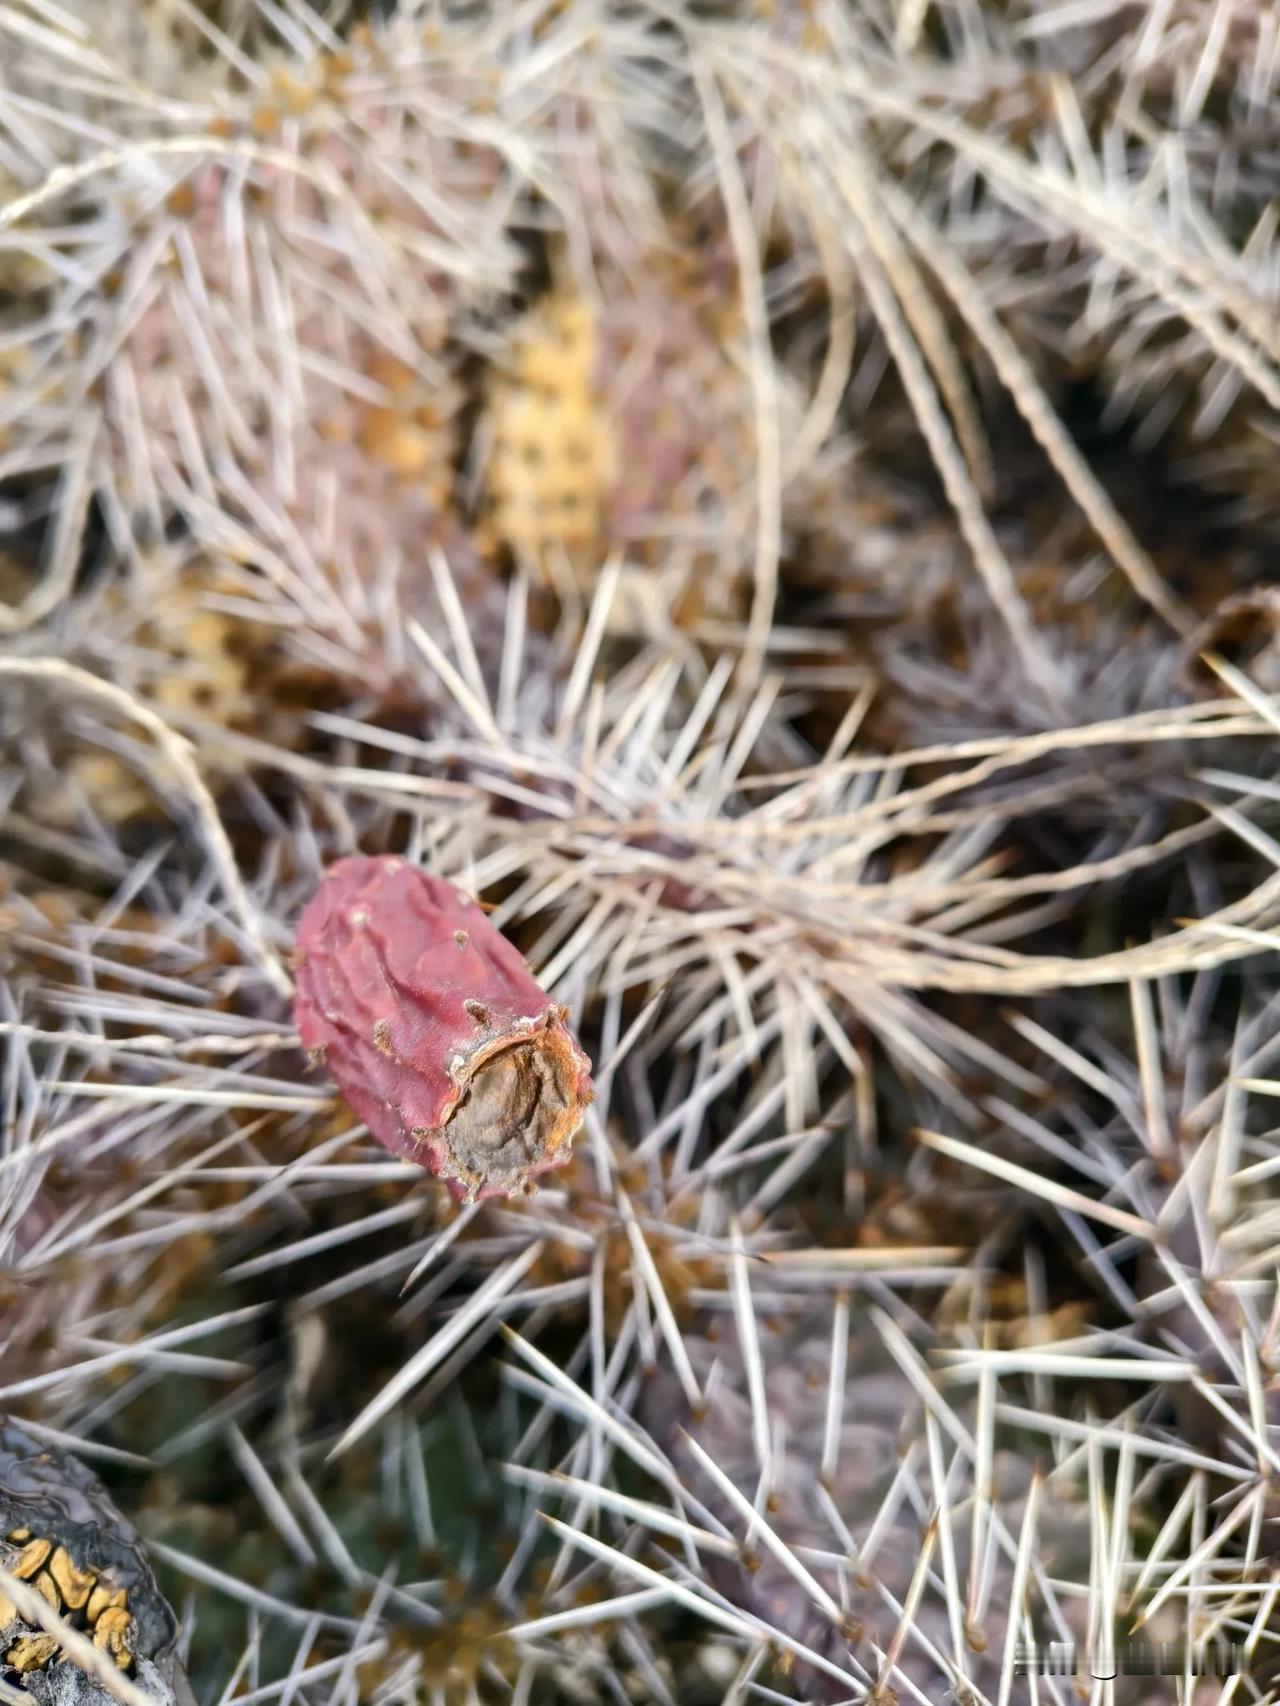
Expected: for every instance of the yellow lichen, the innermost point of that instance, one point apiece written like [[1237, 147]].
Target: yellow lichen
[[554, 447]]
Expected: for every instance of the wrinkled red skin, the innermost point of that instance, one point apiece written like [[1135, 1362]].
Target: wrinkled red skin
[[388, 959]]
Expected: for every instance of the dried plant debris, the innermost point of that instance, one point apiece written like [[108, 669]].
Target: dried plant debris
[[64, 1537]]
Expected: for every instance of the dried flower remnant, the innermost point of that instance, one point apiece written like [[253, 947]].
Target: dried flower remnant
[[61, 1535], [434, 1029]]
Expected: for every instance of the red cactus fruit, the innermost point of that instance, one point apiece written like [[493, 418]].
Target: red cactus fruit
[[434, 1030]]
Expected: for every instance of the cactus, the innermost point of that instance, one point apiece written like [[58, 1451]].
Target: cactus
[[738, 491]]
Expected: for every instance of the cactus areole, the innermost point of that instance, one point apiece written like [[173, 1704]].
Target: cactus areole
[[434, 1030]]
